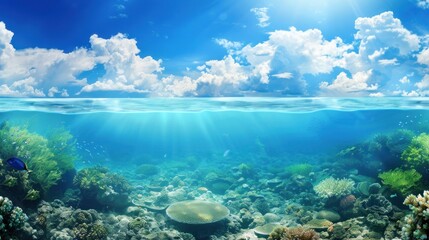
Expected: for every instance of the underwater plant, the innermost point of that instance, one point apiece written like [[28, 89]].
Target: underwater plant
[[47, 163], [402, 181], [63, 146], [416, 224], [417, 153], [33, 149], [331, 187]]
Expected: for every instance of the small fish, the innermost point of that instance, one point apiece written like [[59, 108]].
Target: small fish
[[17, 164], [225, 154], [393, 195]]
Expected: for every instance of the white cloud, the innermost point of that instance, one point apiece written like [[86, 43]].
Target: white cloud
[[54, 91], [423, 57], [228, 44], [262, 16], [383, 31], [377, 94], [285, 75], [178, 87], [386, 62], [376, 36], [125, 69], [344, 84], [21, 88], [410, 94], [424, 83], [303, 52], [404, 80], [36, 69], [223, 72], [423, 4], [6, 48]]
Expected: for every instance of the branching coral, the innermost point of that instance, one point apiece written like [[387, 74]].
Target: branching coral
[[417, 223], [403, 181], [331, 187]]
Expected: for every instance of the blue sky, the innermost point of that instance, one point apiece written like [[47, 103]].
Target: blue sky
[[170, 48]]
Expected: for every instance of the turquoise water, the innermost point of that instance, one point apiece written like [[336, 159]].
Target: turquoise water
[[201, 149]]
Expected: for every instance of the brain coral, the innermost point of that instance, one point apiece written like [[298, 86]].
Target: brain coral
[[197, 212]]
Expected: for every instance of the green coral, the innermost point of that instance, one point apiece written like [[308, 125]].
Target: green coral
[[299, 169], [398, 180], [417, 153]]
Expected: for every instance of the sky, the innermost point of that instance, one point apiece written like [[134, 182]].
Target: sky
[[216, 48]]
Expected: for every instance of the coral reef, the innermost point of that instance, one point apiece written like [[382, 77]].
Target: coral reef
[[294, 233], [12, 219], [331, 187], [101, 188], [416, 224]]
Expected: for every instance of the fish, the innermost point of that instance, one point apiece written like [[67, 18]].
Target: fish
[[17, 164], [225, 154]]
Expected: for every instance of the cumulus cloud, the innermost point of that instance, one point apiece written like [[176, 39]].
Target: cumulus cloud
[[378, 36], [423, 57], [292, 54], [27, 72], [343, 84], [178, 87], [125, 69], [262, 16], [288, 62], [424, 83]]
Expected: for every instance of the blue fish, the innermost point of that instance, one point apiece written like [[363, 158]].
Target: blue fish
[[17, 164]]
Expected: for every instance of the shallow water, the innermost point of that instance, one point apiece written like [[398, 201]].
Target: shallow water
[[187, 140]]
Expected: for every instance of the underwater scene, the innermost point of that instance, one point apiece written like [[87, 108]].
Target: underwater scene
[[214, 169]]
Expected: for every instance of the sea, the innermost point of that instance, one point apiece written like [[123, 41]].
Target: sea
[[130, 159]]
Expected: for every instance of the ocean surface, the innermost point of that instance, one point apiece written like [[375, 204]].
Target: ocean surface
[[233, 151]]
